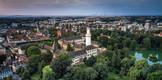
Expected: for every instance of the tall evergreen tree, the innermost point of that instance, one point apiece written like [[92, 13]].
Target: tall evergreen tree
[[114, 59], [69, 48], [147, 43], [42, 64], [133, 45]]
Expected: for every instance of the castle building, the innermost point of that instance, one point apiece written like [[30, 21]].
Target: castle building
[[88, 51]]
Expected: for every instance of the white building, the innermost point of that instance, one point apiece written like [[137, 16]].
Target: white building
[[88, 37], [147, 26], [78, 56]]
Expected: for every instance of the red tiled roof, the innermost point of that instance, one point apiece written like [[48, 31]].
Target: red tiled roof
[[3, 53], [160, 34], [156, 34]]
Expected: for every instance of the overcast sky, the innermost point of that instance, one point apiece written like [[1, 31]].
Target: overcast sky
[[81, 7]]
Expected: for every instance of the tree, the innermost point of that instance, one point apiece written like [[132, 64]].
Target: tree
[[47, 57], [161, 45], [69, 48], [126, 63], [102, 70], [20, 70], [82, 73], [32, 63], [90, 74], [67, 76], [48, 73], [157, 75], [103, 40], [60, 64], [138, 72], [127, 42], [2, 58], [10, 77], [42, 64], [155, 67], [133, 45], [147, 43], [33, 50], [114, 60], [26, 75], [125, 53], [77, 73], [90, 61], [4, 78], [115, 47], [119, 59]]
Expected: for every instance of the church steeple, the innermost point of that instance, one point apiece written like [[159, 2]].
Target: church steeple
[[38, 32], [38, 29]]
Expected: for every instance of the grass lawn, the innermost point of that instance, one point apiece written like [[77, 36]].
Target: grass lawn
[[116, 77], [35, 76]]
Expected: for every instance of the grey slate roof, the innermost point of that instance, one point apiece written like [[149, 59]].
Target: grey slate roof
[[24, 46], [77, 53], [73, 38], [81, 52]]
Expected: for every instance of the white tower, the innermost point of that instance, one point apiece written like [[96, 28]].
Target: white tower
[[88, 37]]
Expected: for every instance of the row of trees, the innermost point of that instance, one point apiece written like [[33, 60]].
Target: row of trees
[[127, 39], [36, 62]]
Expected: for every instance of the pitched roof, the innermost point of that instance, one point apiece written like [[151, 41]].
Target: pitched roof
[[77, 53], [81, 52], [73, 38]]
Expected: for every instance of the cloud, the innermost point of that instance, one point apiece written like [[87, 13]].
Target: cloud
[[79, 6]]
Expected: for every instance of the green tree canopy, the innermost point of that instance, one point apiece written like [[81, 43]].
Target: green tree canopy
[[138, 72], [85, 73], [42, 64], [48, 73], [10, 77], [26, 75], [60, 64], [157, 75], [126, 63], [102, 70], [90, 74], [127, 42], [155, 67], [33, 50], [32, 63], [69, 48], [147, 43], [20, 70], [114, 60], [133, 45], [47, 57], [90, 61], [161, 45]]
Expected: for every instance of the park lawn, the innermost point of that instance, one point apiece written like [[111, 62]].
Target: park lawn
[[116, 77], [35, 76]]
